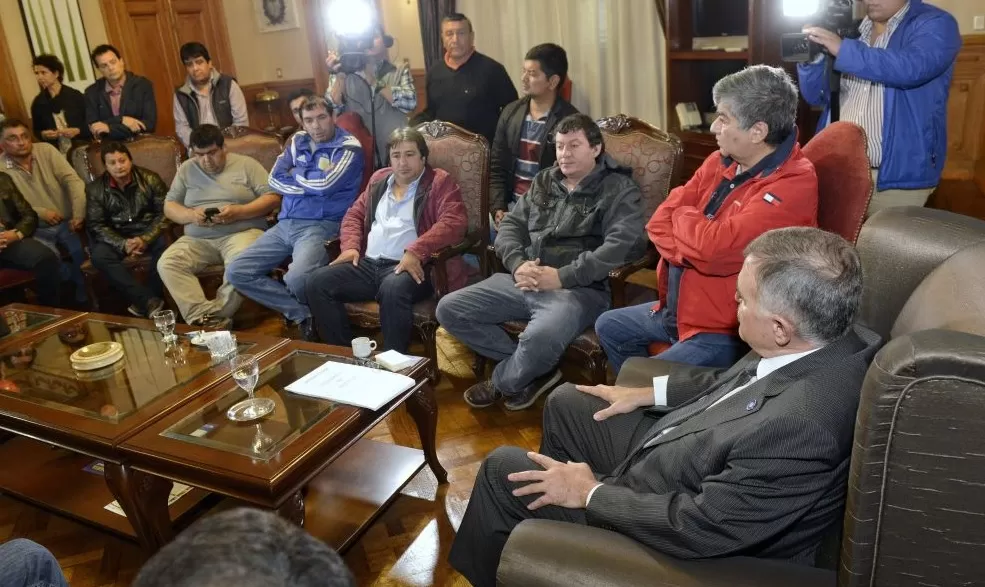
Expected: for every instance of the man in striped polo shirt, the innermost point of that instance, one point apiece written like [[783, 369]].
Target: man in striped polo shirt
[[895, 80], [521, 148]]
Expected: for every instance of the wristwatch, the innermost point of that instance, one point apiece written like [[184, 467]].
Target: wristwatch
[[20, 235]]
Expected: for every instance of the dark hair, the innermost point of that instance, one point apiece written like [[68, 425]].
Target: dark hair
[[315, 101], [247, 548], [408, 135], [811, 277], [113, 147], [11, 123], [457, 17], [583, 122], [553, 60], [99, 50], [300, 93], [206, 135], [192, 50], [51, 63]]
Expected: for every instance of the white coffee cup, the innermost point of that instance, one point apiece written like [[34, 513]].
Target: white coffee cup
[[362, 347]]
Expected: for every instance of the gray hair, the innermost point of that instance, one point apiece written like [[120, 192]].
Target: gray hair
[[316, 101], [246, 548], [811, 277], [761, 93]]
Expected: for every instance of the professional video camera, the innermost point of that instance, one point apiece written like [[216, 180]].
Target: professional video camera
[[352, 49], [837, 16], [355, 26]]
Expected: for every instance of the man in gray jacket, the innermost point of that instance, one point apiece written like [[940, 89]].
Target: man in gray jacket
[[581, 219]]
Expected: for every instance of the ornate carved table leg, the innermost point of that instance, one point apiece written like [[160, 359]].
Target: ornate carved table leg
[[424, 409], [144, 499], [293, 509]]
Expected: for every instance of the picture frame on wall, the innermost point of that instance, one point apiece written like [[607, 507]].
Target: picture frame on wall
[[276, 15], [56, 28]]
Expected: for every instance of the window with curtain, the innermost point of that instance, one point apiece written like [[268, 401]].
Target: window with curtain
[[615, 48]]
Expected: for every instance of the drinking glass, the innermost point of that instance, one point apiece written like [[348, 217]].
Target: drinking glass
[[164, 322], [246, 372]]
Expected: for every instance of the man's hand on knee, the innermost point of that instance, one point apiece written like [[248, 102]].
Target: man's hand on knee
[[562, 484], [622, 400]]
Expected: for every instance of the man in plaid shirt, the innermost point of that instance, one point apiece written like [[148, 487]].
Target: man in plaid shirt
[[381, 93]]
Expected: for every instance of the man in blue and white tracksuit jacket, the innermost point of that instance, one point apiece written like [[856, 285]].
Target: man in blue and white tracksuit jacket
[[895, 80], [318, 175]]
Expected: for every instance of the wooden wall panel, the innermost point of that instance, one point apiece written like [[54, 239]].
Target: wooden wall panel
[[259, 117], [966, 112], [10, 90]]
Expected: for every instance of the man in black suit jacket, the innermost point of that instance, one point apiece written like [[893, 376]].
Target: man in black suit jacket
[[121, 104], [749, 461]]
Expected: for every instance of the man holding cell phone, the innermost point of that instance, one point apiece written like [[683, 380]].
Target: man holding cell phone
[[222, 199]]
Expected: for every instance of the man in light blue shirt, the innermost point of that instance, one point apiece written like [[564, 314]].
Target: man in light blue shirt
[[407, 213]]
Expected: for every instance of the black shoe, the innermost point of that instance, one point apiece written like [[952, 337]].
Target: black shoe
[[529, 395], [213, 322], [154, 305], [482, 394], [307, 330]]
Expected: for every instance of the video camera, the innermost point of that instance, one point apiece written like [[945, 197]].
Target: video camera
[[353, 48], [837, 16]]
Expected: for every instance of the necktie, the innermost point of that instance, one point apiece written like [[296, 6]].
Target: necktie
[[685, 413]]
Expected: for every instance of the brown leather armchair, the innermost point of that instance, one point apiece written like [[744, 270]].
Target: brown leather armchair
[[160, 154], [913, 511], [465, 156], [654, 156]]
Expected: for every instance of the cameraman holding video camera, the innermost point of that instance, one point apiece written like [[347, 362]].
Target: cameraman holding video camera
[[381, 93], [895, 80]]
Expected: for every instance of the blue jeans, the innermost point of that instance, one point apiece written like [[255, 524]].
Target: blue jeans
[[304, 242], [474, 314], [27, 564], [61, 234], [628, 332]]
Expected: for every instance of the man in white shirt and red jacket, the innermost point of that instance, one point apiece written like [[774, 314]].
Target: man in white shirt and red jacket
[[407, 213], [758, 180]]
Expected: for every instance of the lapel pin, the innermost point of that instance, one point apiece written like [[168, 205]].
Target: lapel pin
[[751, 406]]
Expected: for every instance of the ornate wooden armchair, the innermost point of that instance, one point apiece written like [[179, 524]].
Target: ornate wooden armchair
[[160, 154], [654, 157], [465, 156]]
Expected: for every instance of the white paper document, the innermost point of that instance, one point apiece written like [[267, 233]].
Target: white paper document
[[351, 384], [395, 361], [178, 490]]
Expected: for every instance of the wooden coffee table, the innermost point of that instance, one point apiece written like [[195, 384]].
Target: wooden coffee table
[[17, 320], [66, 419], [307, 460]]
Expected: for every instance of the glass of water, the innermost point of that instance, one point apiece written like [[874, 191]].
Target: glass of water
[[164, 322], [246, 373]]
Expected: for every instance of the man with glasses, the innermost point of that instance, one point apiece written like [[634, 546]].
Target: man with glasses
[[467, 88], [222, 199], [121, 105]]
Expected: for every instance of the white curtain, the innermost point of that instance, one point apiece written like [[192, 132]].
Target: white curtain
[[615, 48]]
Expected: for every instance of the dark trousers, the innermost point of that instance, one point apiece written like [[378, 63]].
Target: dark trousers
[[570, 434], [30, 254], [330, 287], [109, 261]]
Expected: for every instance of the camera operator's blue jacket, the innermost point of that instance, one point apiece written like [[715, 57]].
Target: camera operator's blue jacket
[[916, 70], [319, 181]]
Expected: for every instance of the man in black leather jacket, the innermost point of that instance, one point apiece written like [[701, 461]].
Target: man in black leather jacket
[[19, 250], [125, 217]]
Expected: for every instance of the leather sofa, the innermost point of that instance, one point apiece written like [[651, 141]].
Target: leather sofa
[[914, 513]]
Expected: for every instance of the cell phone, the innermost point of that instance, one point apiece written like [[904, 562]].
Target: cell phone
[[209, 213]]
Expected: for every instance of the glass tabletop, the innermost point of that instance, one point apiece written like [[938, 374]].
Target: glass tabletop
[[261, 439], [41, 372], [16, 321]]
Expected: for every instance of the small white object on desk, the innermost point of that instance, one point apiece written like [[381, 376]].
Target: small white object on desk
[[395, 361], [351, 384]]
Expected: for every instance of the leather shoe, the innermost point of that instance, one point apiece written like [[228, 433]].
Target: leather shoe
[[482, 394], [529, 395]]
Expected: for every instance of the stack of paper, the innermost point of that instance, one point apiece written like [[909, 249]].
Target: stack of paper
[[351, 384], [395, 361]]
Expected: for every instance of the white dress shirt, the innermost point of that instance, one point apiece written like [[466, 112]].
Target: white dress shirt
[[764, 368], [393, 228]]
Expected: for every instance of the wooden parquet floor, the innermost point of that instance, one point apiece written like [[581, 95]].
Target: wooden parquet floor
[[407, 546]]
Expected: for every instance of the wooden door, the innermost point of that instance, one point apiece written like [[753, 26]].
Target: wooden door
[[10, 90], [150, 33], [142, 31]]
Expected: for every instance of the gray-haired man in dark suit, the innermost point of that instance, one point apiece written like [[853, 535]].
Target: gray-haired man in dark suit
[[752, 460]]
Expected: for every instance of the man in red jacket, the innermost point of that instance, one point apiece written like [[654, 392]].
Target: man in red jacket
[[408, 212], [758, 180]]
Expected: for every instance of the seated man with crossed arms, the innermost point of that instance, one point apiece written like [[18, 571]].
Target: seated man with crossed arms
[[752, 460]]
